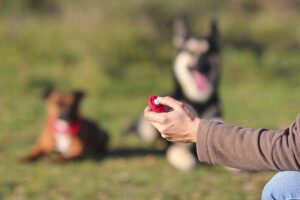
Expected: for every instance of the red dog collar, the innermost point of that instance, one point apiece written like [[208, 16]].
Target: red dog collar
[[60, 126]]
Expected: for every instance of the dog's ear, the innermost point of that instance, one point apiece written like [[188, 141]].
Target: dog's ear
[[180, 32], [78, 95], [47, 92], [214, 35]]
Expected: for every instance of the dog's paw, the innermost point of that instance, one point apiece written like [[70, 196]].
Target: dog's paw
[[27, 159], [59, 160], [181, 157]]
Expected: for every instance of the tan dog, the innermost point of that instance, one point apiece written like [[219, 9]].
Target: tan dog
[[66, 132]]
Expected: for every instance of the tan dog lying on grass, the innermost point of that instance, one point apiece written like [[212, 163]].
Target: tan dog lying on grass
[[66, 131]]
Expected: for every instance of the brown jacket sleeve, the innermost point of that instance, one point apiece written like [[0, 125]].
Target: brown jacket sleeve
[[249, 149]]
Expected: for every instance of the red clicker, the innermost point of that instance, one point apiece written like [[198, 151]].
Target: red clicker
[[156, 106]]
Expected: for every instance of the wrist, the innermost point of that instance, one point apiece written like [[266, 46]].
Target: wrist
[[197, 122]]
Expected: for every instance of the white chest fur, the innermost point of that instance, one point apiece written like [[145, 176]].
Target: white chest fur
[[62, 142]]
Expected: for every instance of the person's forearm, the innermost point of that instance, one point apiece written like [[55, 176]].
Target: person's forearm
[[249, 149]]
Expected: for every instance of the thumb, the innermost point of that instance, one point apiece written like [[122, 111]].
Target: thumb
[[170, 102]]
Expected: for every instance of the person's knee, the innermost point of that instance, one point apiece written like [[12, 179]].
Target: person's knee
[[284, 185]]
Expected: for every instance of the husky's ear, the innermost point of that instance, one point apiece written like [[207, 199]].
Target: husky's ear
[[214, 35], [180, 32]]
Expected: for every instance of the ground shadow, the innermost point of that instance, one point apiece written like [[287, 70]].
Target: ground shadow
[[133, 152]]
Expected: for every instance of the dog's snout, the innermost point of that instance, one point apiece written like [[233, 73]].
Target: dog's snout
[[67, 114]]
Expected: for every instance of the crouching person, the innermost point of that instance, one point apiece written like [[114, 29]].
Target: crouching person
[[236, 147]]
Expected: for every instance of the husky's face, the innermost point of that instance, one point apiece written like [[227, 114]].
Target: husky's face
[[196, 65]]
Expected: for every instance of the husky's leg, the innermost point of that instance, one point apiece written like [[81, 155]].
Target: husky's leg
[[146, 131], [181, 156]]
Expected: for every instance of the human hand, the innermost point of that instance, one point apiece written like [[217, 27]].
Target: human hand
[[178, 125]]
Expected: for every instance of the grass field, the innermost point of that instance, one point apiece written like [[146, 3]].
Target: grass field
[[120, 53]]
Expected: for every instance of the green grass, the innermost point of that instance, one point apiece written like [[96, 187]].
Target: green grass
[[120, 53]]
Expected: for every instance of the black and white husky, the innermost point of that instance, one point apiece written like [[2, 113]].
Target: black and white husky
[[196, 71]]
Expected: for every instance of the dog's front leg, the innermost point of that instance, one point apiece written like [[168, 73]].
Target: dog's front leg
[[35, 154], [44, 145], [74, 152]]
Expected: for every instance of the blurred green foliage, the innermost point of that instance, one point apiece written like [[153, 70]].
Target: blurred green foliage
[[120, 52]]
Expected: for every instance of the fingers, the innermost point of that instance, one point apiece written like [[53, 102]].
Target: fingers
[[166, 136], [169, 101], [170, 138], [154, 117], [147, 109]]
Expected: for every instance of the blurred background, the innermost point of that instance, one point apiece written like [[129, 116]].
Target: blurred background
[[120, 52]]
